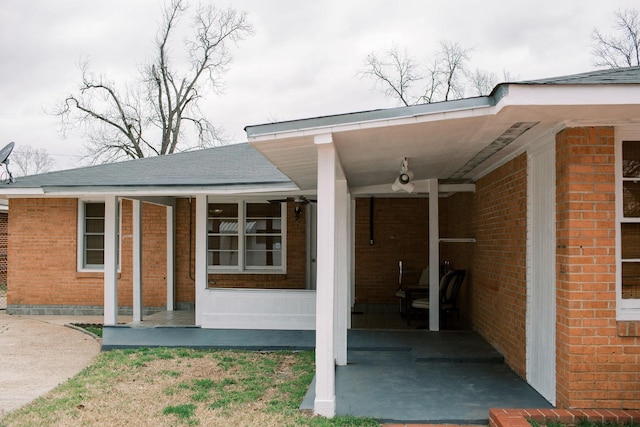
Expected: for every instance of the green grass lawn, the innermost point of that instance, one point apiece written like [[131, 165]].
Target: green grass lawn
[[176, 387]]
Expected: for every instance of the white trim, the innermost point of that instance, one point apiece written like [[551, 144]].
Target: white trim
[[156, 191], [325, 397], [171, 239], [626, 309], [541, 280], [136, 231], [111, 268], [200, 255], [274, 309]]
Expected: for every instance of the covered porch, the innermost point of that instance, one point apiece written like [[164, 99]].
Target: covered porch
[[402, 376]]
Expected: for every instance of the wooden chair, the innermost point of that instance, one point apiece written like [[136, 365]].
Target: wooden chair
[[409, 288], [450, 285]]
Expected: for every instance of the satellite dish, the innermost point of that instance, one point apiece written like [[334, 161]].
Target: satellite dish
[[4, 159]]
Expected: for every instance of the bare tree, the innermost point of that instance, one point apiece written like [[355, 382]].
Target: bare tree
[[401, 77], [621, 49], [395, 72], [150, 116], [482, 82], [31, 161]]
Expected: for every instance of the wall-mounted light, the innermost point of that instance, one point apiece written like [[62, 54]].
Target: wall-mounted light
[[403, 181]]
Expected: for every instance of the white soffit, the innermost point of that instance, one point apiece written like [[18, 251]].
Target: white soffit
[[444, 144]]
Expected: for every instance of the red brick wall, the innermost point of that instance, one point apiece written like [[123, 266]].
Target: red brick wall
[[401, 232], [43, 256], [457, 220], [4, 229], [499, 269], [597, 367]]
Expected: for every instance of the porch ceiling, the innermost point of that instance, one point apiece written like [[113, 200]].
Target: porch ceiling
[[458, 146]]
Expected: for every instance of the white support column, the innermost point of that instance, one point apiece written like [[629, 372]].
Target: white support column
[[342, 259], [325, 399], [170, 258], [111, 260], [201, 254], [434, 258], [352, 258], [137, 259]]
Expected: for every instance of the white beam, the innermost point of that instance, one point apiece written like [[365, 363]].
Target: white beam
[[171, 231], [201, 255], [434, 259], [325, 398], [137, 259], [110, 260]]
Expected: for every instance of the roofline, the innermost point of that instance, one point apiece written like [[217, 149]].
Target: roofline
[[75, 191], [503, 95], [372, 116]]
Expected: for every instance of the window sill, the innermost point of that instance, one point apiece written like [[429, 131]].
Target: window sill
[[91, 274], [628, 328]]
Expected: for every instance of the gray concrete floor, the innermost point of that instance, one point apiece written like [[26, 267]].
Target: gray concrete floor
[[451, 377]]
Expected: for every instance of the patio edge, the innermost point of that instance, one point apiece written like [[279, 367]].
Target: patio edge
[[521, 417]]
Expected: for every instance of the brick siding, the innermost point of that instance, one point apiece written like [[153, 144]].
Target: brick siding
[[401, 232], [43, 256], [499, 268], [4, 229], [598, 359]]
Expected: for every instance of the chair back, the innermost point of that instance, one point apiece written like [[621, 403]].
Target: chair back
[[449, 289]]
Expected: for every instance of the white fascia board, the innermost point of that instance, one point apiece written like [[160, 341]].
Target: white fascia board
[[162, 192], [12, 192], [379, 123], [603, 94]]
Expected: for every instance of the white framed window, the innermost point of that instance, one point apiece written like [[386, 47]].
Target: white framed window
[[91, 221], [628, 225], [246, 237]]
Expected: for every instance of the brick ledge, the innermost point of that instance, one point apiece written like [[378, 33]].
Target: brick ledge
[[521, 417]]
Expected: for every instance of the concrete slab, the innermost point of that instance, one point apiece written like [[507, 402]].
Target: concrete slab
[[36, 356]]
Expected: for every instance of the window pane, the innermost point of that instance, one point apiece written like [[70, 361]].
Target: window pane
[[630, 241], [94, 225], [263, 250], [94, 242], [223, 226], [263, 210], [631, 159], [94, 210], [222, 258], [222, 242], [94, 257], [631, 280], [264, 226], [631, 199], [263, 258], [223, 210]]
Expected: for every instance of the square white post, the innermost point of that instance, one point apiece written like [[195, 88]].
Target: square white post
[[170, 259], [341, 280], [201, 255], [325, 399], [137, 259], [434, 258], [111, 260]]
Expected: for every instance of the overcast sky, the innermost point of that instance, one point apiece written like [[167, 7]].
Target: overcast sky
[[302, 61]]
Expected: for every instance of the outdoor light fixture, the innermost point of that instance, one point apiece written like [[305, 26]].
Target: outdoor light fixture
[[403, 181]]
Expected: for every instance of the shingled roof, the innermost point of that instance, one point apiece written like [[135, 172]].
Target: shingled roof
[[237, 164], [629, 75]]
